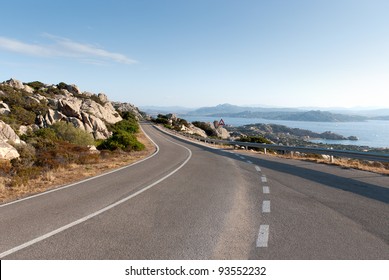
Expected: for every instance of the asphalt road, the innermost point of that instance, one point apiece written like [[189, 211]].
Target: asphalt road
[[188, 201]]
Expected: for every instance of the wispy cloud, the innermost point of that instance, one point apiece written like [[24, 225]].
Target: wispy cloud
[[64, 47]]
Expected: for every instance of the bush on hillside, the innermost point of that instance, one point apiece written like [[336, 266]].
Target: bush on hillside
[[121, 140], [67, 132], [255, 139]]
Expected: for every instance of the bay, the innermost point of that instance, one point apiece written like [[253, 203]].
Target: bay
[[372, 133]]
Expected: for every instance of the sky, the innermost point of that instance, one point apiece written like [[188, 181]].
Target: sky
[[196, 53]]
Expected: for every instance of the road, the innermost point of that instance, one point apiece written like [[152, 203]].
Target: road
[[189, 201]]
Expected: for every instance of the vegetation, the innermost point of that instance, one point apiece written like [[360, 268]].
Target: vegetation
[[123, 135], [171, 122], [23, 107], [57, 146], [255, 139], [206, 127]]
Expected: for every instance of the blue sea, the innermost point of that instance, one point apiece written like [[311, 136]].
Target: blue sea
[[372, 133]]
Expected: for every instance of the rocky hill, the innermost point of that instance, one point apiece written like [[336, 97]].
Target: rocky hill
[[26, 107], [228, 110]]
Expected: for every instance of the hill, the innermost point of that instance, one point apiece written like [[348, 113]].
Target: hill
[[228, 110]]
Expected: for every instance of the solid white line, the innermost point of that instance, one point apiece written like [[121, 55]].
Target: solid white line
[[263, 236], [264, 179], [266, 189], [88, 179], [266, 206], [79, 221]]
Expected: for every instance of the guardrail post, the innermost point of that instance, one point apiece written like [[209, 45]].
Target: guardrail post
[[332, 157], [264, 150]]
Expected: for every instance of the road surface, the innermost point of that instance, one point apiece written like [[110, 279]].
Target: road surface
[[189, 201]]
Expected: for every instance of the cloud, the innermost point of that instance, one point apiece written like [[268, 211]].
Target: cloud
[[64, 47]]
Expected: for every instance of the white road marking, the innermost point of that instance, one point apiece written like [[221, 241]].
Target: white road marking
[[249, 162], [90, 216], [242, 158], [266, 206], [266, 189], [257, 168], [264, 179], [263, 236], [89, 179]]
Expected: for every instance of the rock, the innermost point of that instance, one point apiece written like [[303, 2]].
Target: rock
[[127, 107], [70, 107], [220, 131], [16, 84], [24, 129], [4, 108], [73, 89], [19, 85], [8, 134], [95, 126], [54, 116], [195, 130], [106, 112], [93, 149], [103, 98], [7, 151], [353, 138]]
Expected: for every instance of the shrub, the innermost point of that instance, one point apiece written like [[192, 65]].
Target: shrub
[[121, 140], [254, 139], [130, 125], [67, 132], [36, 85]]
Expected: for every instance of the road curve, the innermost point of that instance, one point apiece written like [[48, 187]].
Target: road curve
[[188, 201]]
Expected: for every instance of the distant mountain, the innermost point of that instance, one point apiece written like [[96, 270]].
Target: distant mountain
[[225, 109], [382, 118], [155, 110], [228, 110]]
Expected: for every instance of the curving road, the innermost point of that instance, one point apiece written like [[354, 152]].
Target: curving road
[[188, 201]]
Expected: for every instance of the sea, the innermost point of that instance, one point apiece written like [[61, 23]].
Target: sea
[[372, 133]]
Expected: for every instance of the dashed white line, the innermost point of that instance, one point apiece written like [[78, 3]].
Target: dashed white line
[[264, 179], [257, 168], [266, 206], [266, 189], [250, 162], [263, 236], [242, 157]]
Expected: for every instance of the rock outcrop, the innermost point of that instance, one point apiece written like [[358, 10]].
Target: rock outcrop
[[63, 102], [127, 107], [220, 130], [7, 151], [18, 85], [7, 134]]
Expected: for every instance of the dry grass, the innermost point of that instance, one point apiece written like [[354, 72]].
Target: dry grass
[[370, 166], [73, 172]]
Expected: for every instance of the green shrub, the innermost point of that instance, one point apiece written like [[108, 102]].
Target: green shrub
[[67, 132], [36, 85], [121, 140], [254, 139], [131, 126]]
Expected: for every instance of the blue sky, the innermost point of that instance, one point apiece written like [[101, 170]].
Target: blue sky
[[204, 52]]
